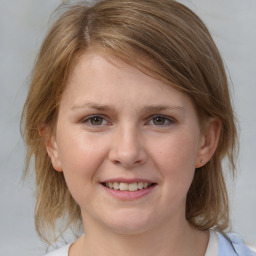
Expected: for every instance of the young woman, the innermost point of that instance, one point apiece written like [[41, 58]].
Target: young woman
[[128, 118]]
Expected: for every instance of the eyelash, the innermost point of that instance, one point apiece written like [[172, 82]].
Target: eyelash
[[88, 120], [169, 120]]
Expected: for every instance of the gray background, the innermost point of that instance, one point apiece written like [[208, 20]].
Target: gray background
[[22, 26]]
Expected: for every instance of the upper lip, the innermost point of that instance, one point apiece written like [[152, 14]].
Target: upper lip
[[125, 180]]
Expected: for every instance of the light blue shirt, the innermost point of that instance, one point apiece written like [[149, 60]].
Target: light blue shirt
[[225, 248]]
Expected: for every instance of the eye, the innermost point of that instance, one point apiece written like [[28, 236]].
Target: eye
[[95, 121], [161, 121]]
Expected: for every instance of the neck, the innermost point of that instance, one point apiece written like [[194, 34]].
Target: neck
[[178, 238]]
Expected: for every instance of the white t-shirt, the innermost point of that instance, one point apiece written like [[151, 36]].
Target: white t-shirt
[[212, 248], [60, 252]]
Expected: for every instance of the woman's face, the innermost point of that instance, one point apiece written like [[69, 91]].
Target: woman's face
[[127, 144]]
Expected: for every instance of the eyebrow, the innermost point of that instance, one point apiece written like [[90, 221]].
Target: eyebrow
[[149, 108], [155, 108], [96, 106]]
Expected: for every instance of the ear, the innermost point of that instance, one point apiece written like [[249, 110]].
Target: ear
[[51, 147], [209, 141]]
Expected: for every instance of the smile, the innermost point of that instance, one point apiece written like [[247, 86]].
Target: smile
[[122, 186]]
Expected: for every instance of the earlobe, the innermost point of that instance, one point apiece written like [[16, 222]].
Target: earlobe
[[209, 142], [51, 148]]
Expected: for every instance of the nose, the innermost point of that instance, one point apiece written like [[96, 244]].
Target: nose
[[128, 149]]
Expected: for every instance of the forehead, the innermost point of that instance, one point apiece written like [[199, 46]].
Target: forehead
[[101, 74]]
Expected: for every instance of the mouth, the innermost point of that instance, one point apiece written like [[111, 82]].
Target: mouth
[[131, 187]]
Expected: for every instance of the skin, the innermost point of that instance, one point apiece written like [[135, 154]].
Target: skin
[[144, 129]]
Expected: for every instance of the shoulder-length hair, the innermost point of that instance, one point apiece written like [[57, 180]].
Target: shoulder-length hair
[[167, 41]]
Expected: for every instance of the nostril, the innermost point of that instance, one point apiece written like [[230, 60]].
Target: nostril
[[117, 162]]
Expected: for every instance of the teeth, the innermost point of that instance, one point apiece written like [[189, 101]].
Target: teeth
[[133, 186], [127, 186], [116, 185], [140, 185], [123, 186]]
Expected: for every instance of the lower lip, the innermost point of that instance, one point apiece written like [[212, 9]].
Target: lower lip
[[129, 195]]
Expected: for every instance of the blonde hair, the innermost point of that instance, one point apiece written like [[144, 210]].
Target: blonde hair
[[167, 41]]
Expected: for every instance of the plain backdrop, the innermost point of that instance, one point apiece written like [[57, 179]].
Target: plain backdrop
[[23, 24]]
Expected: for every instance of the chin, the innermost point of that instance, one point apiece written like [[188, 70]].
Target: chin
[[130, 223]]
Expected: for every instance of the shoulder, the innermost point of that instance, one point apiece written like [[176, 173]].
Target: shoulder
[[232, 245], [60, 252]]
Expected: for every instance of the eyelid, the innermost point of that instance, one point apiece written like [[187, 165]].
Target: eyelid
[[86, 120], [170, 120]]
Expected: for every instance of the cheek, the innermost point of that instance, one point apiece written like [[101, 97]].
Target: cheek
[[80, 156], [176, 157]]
